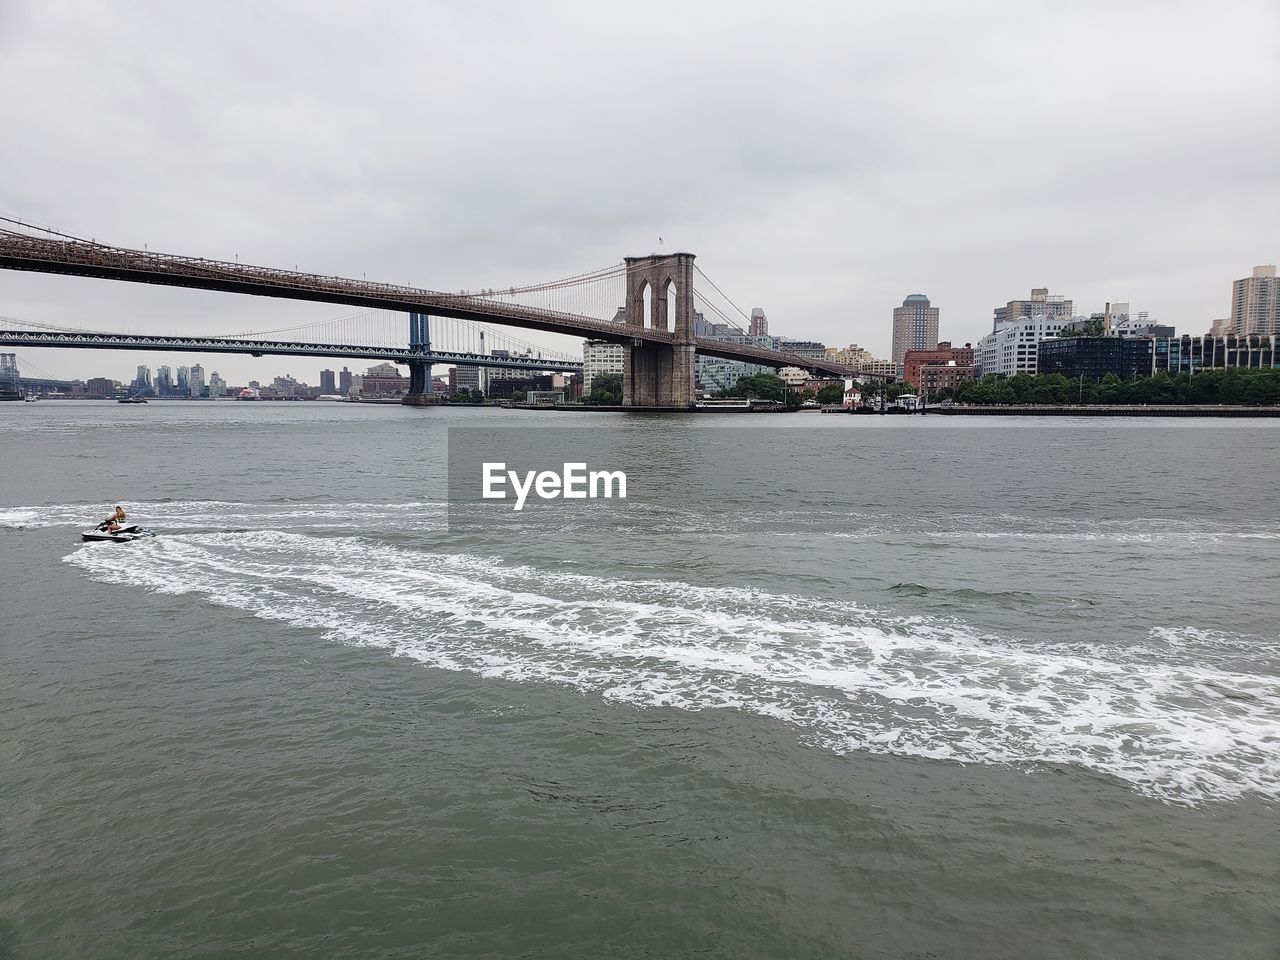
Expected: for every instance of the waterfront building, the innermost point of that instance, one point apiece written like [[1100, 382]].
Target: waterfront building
[[344, 382], [759, 326], [100, 388], [599, 356], [384, 380], [851, 356], [915, 327], [467, 378], [142, 382], [821, 383], [491, 373], [1255, 304], [883, 368], [505, 387], [182, 385], [1187, 354], [328, 385], [163, 383], [1012, 347], [217, 386], [10, 380], [794, 376], [934, 377], [195, 380], [942, 354], [1094, 357], [715, 373]]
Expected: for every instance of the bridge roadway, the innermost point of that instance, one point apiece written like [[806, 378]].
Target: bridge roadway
[[258, 348], [21, 251]]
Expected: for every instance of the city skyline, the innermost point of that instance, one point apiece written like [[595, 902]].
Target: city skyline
[[809, 173], [915, 324]]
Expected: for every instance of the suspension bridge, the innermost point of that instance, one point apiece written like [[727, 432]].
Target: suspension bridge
[[661, 296]]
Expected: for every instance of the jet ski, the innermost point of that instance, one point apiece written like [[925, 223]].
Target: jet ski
[[122, 534]]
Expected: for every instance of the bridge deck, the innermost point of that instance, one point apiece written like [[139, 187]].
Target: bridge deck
[[72, 257]]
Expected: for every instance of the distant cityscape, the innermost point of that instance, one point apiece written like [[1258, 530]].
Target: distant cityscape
[[1040, 334]]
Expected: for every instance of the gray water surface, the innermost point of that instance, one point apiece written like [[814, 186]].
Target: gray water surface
[[823, 686]]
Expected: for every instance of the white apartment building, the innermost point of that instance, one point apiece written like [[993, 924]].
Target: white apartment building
[[1014, 346], [599, 356], [794, 376]]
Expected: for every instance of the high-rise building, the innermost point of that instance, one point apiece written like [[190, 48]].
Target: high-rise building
[[759, 323], [599, 356], [217, 386], [915, 327], [163, 382], [1255, 304], [183, 384], [195, 380], [327, 383], [344, 382]]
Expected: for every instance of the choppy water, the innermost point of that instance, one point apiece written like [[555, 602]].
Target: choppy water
[[844, 686]]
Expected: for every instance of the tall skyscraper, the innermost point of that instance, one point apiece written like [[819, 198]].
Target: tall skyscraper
[[344, 382], [217, 386], [1255, 304], [759, 323], [327, 383], [915, 327], [195, 380]]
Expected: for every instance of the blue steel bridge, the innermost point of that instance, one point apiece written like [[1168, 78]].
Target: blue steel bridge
[[658, 294]]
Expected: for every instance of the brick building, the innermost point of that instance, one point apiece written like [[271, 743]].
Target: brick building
[[943, 355]]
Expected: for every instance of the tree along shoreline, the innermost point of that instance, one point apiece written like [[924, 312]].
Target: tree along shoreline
[[1210, 388]]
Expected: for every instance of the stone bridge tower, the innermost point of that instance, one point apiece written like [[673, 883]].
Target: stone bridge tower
[[659, 374]]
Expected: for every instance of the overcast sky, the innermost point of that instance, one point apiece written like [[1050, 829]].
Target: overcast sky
[[823, 160]]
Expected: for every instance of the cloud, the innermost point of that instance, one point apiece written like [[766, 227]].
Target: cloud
[[823, 160]]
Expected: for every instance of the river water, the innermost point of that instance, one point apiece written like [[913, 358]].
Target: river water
[[821, 686]]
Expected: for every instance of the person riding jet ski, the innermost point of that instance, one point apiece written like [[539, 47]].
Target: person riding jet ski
[[113, 523], [114, 529]]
